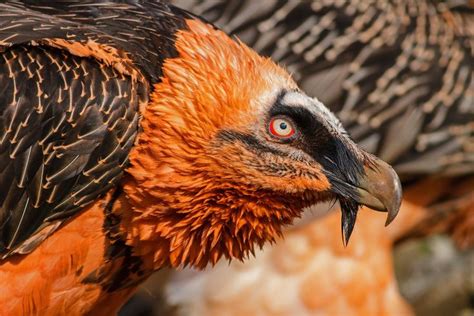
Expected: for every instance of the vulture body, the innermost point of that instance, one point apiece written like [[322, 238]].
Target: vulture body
[[136, 136]]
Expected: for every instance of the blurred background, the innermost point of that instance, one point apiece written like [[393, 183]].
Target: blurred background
[[399, 74]]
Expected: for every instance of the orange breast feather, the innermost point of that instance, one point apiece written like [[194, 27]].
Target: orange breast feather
[[49, 281]]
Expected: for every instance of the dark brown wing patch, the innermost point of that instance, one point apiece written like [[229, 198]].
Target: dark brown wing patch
[[71, 74], [66, 126]]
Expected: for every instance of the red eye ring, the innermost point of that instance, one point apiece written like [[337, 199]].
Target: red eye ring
[[281, 127]]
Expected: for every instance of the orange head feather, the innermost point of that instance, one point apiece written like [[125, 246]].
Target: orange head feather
[[207, 179]]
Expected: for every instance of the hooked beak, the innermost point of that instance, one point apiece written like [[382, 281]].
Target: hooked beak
[[379, 188]]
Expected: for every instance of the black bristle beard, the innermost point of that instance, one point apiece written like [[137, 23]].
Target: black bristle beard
[[349, 209]]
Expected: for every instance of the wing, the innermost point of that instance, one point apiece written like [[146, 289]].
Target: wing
[[73, 76], [399, 74], [67, 125]]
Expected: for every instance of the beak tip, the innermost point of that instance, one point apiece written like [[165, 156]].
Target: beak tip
[[392, 213], [394, 205]]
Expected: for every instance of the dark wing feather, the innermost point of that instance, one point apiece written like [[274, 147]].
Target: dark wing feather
[[64, 139], [73, 75], [399, 74]]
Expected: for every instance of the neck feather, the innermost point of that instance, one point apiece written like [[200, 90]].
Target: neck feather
[[178, 227]]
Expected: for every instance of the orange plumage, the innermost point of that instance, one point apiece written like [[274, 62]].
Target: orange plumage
[[185, 164], [49, 280]]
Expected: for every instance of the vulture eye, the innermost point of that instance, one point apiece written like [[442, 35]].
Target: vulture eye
[[281, 128]]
